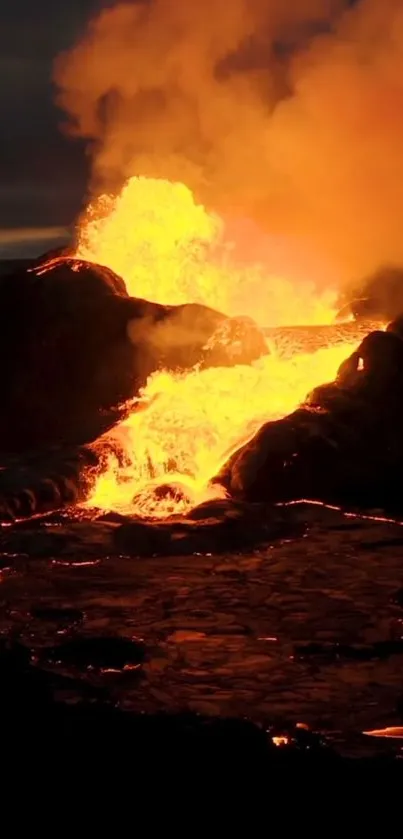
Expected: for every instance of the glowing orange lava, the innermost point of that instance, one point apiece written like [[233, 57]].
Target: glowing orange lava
[[195, 421], [170, 250]]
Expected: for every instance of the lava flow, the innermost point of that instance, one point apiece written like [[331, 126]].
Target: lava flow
[[170, 250]]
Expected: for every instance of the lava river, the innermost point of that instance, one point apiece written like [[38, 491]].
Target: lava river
[[170, 250]]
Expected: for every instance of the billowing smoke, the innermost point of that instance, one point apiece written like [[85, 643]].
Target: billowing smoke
[[294, 117]]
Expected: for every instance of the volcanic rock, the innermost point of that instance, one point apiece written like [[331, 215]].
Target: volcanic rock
[[235, 341], [45, 482], [216, 533], [62, 616], [78, 348], [379, 296], [172, 337], [68, 357], [342, 446], [397, 598], [13, 656], [355, 652], [101, 653]]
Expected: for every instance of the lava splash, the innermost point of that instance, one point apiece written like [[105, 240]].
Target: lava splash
[[173, 251], [190, 425]]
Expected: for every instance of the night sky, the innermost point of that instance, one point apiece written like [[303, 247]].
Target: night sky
[[42, 174]]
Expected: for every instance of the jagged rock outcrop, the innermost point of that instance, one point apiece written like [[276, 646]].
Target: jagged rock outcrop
[[344, 445], [75, 347]]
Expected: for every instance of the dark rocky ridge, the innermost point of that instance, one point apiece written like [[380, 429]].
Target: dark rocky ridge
[[78, 347], [343, 446]]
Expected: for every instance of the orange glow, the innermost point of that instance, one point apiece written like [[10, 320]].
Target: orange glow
[[195, 421], [394, 732], [281, 740], [356, 515], [170, 250]]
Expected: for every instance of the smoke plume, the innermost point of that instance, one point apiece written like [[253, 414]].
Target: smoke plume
[[293, 117]]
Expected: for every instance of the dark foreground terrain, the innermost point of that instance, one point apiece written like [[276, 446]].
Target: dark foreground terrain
[[236, 662], [303, 638]]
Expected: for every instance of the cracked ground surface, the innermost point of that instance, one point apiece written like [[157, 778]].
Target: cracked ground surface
[[308, 629]]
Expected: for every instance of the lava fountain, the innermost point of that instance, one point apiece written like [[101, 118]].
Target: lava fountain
[[171, 250]]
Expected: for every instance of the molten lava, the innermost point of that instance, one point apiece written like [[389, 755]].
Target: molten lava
[[194, 422], [170, 250]]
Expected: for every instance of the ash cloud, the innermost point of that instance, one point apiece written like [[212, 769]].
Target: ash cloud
[[293, 117]]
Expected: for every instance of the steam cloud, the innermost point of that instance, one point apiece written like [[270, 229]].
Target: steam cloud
[[294, 117]]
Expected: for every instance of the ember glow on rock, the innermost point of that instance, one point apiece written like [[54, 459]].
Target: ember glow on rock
[[172, 251]]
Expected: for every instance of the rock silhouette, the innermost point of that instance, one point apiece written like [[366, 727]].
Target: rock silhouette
[[78, 347], [343, 445]]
